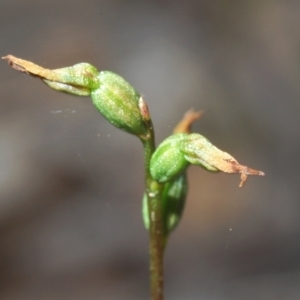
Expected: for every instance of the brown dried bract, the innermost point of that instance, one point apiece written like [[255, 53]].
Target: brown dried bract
[[144, 109], [230, 165], [245, 171], [30, 68], [185, 124]]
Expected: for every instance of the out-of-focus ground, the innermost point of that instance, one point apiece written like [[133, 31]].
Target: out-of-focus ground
[[71, 184]]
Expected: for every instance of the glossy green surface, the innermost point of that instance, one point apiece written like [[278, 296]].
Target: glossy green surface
[[168, 161], [118, 102], [113, 96], [172, 201]]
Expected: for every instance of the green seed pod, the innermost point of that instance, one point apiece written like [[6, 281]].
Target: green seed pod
[[173, 202], [168, 161], [118, 102]]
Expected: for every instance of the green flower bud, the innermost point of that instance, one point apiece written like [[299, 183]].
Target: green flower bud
[[168, 161], [173, 202], [118, 102], [114, 97], [176, 152]]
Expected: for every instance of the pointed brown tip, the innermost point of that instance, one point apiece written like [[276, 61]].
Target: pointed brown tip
[[244, 176], [15, 63], [243, 179], [144, 109], [8, 58], [249, 171], [184, 126]]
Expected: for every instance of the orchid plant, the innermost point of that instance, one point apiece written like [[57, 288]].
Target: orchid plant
[[166, 183]]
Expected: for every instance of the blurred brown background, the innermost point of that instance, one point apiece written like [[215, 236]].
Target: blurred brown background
[[71, 184]]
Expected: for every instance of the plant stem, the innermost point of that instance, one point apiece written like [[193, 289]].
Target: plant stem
[[156, 232], [156, 247]]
